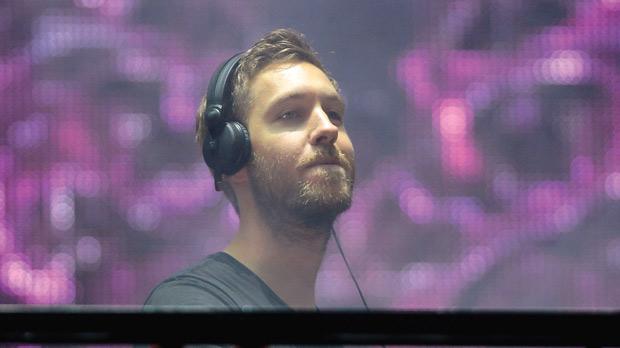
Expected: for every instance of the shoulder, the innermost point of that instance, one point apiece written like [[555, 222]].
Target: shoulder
[[200, 285]]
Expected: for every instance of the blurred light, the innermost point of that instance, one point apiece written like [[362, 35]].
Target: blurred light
[[51, 287], [351, 224], [61, 176], [564, 67], [137, 65], [460, 158], [16, 275], [27, 190], [476, 262], [177, 107], [582, 169], [40, 289], [88, 183], [333, 284], [120, 170], [91, 3], [454, 118], [68, 292], [58, 288], [611, 4], [178, 111], [399, 180], [144, 216], [523, 114], [131, 129], [28, 133], [566, 217], [417, 204], [62, 209], [414, 75], [88, 250], [57, 35], [381, 282], [184, 192], [612, 185], [118, 8], [545, 195], [363, 201], [353, 230], [418, 276], [64, 262], [464, 210], [479, 95], [73, 139]]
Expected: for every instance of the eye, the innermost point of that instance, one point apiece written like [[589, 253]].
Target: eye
[[289, 116], [335, 116]]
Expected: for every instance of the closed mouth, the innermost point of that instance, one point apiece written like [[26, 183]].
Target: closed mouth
[[323, 162]]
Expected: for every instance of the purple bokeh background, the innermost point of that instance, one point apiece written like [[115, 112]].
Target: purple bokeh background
[[487, 136]]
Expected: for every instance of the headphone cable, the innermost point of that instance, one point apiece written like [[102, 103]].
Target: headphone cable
[[357, 286], [359, 290]]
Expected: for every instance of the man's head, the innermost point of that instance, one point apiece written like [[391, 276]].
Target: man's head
[[280, 45], [301, 166]]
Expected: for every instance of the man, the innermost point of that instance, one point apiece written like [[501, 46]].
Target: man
[[298, 179]]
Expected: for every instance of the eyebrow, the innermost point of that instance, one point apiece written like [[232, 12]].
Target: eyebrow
[[301, 95]]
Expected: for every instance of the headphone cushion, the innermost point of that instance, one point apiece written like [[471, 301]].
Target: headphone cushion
[[233, 147]]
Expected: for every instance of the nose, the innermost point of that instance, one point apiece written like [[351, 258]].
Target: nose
[[324, 132]]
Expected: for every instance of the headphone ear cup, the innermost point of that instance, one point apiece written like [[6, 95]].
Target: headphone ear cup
[[233, 148], [209, 144]]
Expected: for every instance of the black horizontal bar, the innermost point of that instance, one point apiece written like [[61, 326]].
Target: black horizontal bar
[[185, 325]]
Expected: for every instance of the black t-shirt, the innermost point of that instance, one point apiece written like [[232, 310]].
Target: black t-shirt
[[218, 282]]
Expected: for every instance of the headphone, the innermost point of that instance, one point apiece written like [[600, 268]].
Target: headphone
[[226, 148]]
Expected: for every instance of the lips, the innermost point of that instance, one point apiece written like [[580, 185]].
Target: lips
[[323, 161], [329, 156]]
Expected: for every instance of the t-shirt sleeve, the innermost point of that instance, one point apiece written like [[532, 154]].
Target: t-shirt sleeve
[[190, 292]]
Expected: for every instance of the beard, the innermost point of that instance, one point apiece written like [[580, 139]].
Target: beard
[[308, 201]]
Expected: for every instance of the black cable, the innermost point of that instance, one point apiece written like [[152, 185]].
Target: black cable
[[357, 286], [359, 290]]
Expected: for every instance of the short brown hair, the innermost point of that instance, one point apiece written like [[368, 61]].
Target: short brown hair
[[280, 45]]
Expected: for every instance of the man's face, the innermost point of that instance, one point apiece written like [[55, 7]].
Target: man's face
[[302, 168]]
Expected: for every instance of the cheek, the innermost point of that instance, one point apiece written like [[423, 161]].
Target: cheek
[[345, 145], [282, 153], [288, 144]]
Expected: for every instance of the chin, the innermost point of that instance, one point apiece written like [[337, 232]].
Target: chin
[[321, 214], [325, 199]]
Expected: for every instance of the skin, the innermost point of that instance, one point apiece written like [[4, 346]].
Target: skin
[[299, 142]]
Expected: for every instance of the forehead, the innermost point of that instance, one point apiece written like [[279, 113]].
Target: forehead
[[280, 79]]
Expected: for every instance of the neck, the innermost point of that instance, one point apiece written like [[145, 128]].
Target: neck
[[286, 256]]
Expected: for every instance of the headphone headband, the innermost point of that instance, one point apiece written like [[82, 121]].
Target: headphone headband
[[226, 148], [218, 93]]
